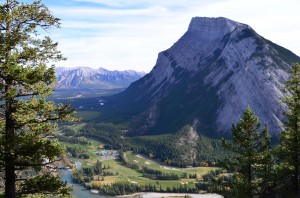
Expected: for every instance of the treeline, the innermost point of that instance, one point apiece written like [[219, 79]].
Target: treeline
[[125, 188], [90, 173], [67, 131], [159, 175], [77, 152], [162, 147], [208, 180], [107, 132], [74, 140], [114, 189]]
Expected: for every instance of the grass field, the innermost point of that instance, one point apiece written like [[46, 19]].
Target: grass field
[[144, 161], [77, 127], [130, 175], [90, 149], [133, 176]]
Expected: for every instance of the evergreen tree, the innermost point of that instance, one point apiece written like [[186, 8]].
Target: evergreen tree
[[26, 117], [266, 172], [289, 146], [247, 157]]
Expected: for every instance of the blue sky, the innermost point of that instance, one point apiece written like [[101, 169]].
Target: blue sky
[[128, 34]]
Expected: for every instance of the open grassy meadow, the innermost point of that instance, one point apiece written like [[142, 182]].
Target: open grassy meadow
[[89, 149], [130, 175], [77, 127], [125, 174], [145, 161]]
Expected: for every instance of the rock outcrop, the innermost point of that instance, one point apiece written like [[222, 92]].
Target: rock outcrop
[[211, 74]]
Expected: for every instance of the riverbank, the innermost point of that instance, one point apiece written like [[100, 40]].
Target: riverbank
[[79, 191], [169, 195]]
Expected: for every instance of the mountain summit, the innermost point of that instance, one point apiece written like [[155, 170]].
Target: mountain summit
[[207, 79], [85, 77]]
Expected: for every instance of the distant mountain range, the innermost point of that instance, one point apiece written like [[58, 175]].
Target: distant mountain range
[[206, 80], [88, 78]]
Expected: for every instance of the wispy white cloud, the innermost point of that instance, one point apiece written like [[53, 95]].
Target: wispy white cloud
[[128, 34], [114, 3], [172, 3], [87, 12]]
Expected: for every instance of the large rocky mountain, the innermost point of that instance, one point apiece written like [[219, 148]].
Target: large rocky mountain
[[85, 77], [207, 79]]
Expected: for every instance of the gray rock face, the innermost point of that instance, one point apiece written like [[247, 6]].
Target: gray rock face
[[85, 77], [190, 139], [211, 74]]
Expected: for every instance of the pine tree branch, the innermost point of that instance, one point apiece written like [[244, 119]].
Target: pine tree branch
[[37, 121], [24, 94]]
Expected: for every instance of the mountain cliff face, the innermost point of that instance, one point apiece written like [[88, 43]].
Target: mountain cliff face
[[207, 79], [85, 77]]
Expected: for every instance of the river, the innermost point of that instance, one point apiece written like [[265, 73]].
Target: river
[[79, 191]]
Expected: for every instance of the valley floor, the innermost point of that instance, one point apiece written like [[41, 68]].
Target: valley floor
[[131, 171]]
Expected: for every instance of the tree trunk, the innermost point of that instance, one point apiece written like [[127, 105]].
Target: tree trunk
[[295, 178], [10, 186], [10, 180], [250, 180]]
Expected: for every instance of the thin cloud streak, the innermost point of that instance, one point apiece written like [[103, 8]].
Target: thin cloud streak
[[169, 3], [87, 12], [129, 34]]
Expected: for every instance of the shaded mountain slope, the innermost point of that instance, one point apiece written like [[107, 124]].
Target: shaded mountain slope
[[206, 79]]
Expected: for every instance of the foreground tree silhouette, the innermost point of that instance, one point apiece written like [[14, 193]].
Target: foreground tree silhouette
[[251, 158], [26, 117], [289, 146]]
